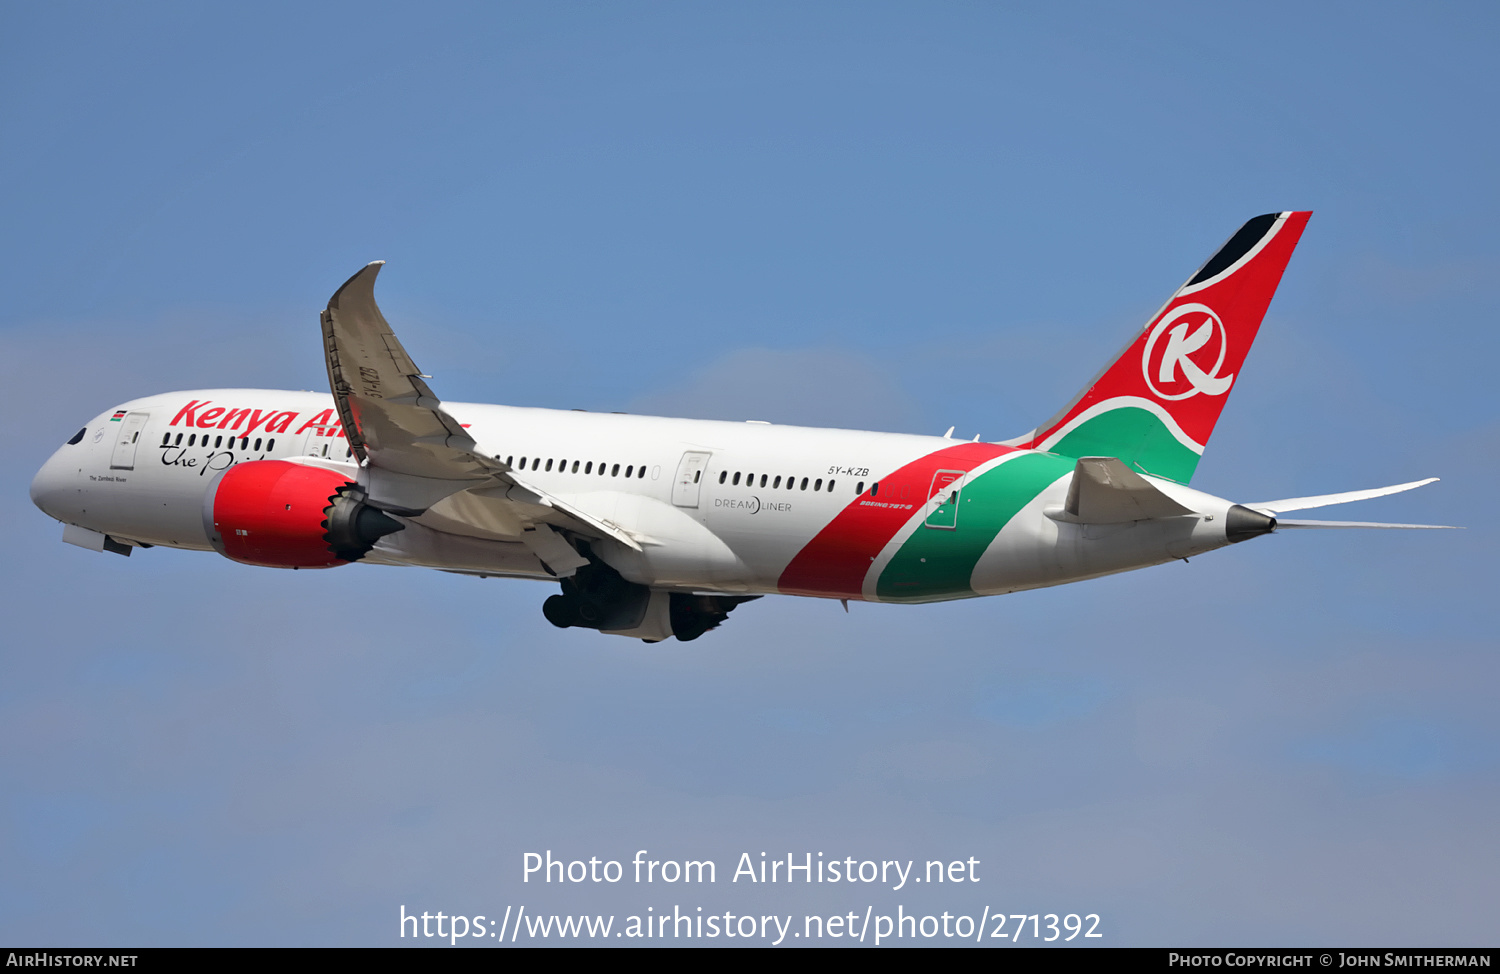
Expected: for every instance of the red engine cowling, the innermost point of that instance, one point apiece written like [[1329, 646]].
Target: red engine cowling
[[278, 514]]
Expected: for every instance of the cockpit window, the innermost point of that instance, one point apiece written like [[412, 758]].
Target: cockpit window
[[78, 437]]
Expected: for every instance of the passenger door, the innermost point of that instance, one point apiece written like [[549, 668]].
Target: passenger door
[[125, 442], [685, 488], [942, 499]]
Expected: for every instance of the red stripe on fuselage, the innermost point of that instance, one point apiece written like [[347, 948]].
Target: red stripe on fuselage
[[834, 564]]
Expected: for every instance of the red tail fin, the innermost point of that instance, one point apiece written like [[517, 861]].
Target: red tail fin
[[1155, 406]]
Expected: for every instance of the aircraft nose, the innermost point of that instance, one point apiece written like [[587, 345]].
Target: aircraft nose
[[55, 485]]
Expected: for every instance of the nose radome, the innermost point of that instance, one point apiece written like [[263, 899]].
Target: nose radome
[[52, 484]]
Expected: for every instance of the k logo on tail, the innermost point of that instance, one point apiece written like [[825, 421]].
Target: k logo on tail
[[1179, 351]]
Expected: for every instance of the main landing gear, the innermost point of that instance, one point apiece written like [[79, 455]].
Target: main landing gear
[[598, 597]]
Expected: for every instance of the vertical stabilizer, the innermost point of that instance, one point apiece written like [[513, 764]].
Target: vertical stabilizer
[[1156, 404]]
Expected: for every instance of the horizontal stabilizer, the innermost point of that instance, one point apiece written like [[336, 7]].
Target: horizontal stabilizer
[[1105, 491], [1328, 500], [1280, 524]]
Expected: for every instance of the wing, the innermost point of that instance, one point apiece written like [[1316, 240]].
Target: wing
[[392, 419], [418, 461]]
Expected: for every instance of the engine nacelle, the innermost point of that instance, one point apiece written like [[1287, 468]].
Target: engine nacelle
[[279, 514]]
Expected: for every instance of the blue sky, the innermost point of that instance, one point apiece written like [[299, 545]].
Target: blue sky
[[898, 217]]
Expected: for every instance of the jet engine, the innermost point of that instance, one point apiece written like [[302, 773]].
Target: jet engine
[[279, 514]]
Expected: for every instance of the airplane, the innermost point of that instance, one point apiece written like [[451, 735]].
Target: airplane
[[656, 528]]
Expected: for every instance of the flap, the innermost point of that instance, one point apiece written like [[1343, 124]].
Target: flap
[[554, 552]]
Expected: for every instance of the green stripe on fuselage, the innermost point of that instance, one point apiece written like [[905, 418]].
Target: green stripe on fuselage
[[1136, 436], [938, 563]]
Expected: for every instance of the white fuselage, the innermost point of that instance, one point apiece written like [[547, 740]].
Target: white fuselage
[[768, 505]]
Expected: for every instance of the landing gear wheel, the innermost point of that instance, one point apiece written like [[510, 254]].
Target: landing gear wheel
[[559, 611]]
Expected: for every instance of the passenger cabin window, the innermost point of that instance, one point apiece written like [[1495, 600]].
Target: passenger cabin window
[[723, 475]]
